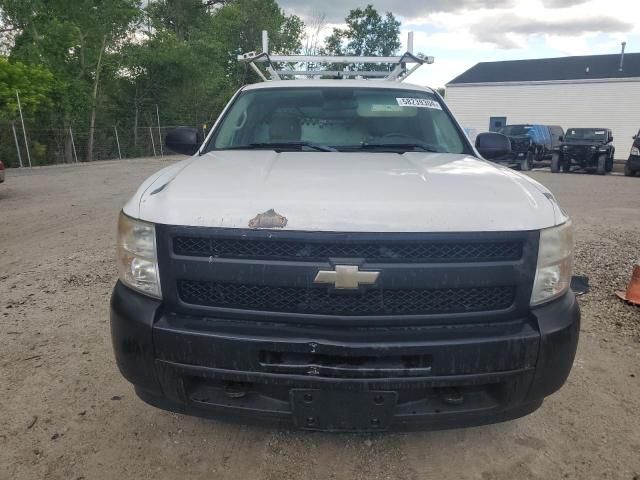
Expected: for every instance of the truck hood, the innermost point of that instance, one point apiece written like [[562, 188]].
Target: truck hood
[[359, 192]]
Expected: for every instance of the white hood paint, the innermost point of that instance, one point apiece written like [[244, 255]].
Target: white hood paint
[[347, 192]]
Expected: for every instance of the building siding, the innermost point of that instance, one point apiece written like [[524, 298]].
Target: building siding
[[614, 105]]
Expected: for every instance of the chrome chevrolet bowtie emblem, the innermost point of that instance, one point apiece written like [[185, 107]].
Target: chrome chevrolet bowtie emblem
[[346, 277]]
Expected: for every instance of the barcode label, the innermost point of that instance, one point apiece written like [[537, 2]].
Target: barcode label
[[418, 103]]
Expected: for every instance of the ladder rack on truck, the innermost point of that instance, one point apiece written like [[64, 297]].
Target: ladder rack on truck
[[398, 64]]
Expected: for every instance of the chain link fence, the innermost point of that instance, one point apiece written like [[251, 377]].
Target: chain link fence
[[50, 146]]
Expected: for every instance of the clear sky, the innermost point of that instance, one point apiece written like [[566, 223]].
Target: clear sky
[[461, 33]]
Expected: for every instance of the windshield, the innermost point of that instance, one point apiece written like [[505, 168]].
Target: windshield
[[338, 118], [516, 130], [587, 134]]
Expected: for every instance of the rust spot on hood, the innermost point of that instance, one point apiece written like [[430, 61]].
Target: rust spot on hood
[[268, 219]]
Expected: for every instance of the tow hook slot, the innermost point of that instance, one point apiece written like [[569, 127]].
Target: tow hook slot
[[236, 390], [450, 396]]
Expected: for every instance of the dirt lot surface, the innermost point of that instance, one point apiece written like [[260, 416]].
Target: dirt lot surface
[[66, 413]]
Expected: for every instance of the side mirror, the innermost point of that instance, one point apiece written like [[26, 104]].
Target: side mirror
[[635, 137], [493, 145], [611, 138], [561, 138], [183, 140]]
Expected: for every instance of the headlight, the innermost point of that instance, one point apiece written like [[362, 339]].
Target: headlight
[[555, 263], [635, 151], [137, 258], [593, 147]]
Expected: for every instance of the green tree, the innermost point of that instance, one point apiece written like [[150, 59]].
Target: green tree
[[239, 25], [187, 64], [367, 34], [182, 16], [34, 84], [113, 61], [174, 75], [79, 41]]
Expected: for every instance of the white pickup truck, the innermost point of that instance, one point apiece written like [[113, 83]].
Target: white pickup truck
[[337, 255]]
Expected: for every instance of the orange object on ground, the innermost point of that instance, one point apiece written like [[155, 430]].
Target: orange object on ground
[[632, 295]]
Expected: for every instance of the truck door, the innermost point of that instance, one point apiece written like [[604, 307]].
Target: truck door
[[556, 133], [545, 140]]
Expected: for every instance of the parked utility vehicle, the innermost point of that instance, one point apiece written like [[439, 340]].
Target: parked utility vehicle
[[337, 256], [633, 162], [530, 144], [589, 149]]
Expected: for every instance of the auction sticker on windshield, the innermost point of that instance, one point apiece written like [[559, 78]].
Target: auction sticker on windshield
[[418, 103]]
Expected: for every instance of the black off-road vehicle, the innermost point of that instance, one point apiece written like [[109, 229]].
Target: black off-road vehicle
[[589, 149]]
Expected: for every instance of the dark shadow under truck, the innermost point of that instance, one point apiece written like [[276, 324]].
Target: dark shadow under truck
[[530, 144], [588, 149]]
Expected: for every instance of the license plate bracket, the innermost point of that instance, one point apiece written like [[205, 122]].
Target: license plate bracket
[[334, 411]]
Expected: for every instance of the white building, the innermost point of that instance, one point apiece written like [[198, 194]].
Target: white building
[[600, 91]]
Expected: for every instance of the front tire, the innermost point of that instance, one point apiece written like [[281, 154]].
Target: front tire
[[555, 163], [525, 163], [610, 161], [602, 164], [627, 171], [609, 166]]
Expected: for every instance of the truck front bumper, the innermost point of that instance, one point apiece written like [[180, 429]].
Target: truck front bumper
[[343, 379]]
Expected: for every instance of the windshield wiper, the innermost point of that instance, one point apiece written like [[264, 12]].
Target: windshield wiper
[[405, 146], [286, 146]]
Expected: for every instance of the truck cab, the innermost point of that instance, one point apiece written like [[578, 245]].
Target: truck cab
[[337, 256]]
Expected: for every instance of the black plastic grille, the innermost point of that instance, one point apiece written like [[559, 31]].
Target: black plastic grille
[[322, 301], [579, 151], [372, 251], [520, 144]]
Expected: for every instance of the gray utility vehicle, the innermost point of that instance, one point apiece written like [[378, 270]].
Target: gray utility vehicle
[[589, 149]]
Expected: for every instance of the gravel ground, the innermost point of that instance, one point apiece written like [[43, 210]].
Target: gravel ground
[[67, 413]]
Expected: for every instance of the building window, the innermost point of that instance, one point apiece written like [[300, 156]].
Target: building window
[[496, 123]]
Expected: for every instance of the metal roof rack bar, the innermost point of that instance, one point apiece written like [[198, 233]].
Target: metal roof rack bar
[[331, 73], [398, 72]]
